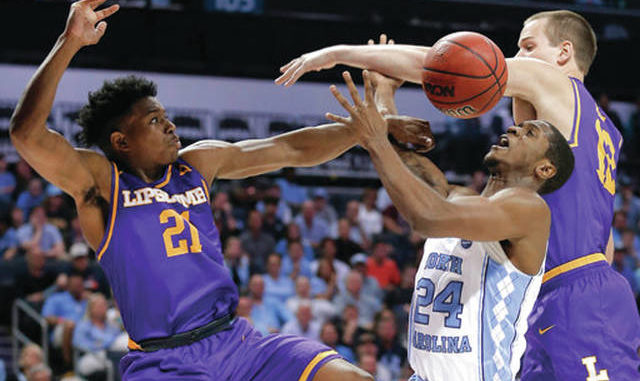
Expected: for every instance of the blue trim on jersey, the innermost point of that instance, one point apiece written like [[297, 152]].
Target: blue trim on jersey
[[504, 292], [485, 265]]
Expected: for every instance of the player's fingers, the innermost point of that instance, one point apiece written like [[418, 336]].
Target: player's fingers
[[352, 89], [368, 88], [286, 75], [342, 100], [296, 75], [337, 118], [383, 39], [100, 29], [95, 3], [287, 66], [370, 42], [391, 42], [107, 12]]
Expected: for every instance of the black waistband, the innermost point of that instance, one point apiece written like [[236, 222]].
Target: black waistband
[[189, 337]]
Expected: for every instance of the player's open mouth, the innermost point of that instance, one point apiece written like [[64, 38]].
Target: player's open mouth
[[503, 141]]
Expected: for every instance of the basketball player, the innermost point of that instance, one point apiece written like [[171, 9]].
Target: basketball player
[[144, 208], [472, 289], [585, 325]]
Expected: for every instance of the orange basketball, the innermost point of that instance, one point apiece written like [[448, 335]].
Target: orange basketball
[[464, 74]]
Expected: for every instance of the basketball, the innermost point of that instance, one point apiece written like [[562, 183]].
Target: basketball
[[464, 74]]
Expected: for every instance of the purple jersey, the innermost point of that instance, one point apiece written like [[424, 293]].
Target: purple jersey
[[582, 209], [161, 253]]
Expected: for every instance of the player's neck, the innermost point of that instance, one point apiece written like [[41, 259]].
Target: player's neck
[[498, 181], [149, 175]]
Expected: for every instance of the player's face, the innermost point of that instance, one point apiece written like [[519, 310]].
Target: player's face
[[533, 43], [519, 149], [150, 136]]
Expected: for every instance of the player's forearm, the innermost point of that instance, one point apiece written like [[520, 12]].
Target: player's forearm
[[420, 204], [311, 146], [398, 61], [35, 105]]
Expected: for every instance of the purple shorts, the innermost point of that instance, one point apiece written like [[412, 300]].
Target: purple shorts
[[239, 353], [584, 325]]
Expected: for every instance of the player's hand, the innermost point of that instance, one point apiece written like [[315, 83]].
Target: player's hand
[[367, 121], [378, 79], [314, 61], [412, 132], [85, 25]]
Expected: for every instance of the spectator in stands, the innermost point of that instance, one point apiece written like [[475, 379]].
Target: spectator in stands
[[34, 279], [271, 223], [370, 285], [369, 217], [292, 193], [324, 210], [94, 336], [40, 372], [345, 246], [631, 242], [38, 232], [277, 285], [381, 267], [303, 324], [74, 234], [59, 212], [244, 308], [24, 174], [367, 354], [391, 353], [295, 264], [618, 226], [367, 305], [8, 239], [283, 210], [31, 356], [63, 310], [264, 312], [312, 228], [356, 232], [322, 309], [7, 185], [33, 196], [324, 282], [293, 234], [627, 202], [237, 262], [329, 251], [330, 337], [622, 264], [222, 216], [255, 242], [94, 278], [398, 299]]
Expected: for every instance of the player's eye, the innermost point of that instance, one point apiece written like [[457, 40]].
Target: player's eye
[[154, 119]]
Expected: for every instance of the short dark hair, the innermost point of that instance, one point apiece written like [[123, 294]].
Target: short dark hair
[[560, 155], [100, 117]]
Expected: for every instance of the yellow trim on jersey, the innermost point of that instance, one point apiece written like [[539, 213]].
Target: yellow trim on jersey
[[166, 180], [114, 210], [312, 364], [132, 345], [206, 189], [577, 122], [571, 265]]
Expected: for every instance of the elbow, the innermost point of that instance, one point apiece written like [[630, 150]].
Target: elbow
[[17, 131]]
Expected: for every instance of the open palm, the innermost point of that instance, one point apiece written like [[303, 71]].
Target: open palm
[[85, 24]]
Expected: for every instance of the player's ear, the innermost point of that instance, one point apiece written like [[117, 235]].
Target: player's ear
[[119, 141], [544, 169], [566, 52]]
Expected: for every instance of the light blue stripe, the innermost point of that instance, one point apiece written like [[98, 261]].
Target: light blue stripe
[[485, 264]]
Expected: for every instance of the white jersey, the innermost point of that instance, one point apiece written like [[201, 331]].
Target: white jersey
[[469, 312]]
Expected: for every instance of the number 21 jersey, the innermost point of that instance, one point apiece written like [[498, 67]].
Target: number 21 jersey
[[469, 312]]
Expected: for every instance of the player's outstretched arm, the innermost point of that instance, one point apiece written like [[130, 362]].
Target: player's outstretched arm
[[544, 87], [397, 61], [509, 214], [305, 147], [46, 150]]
